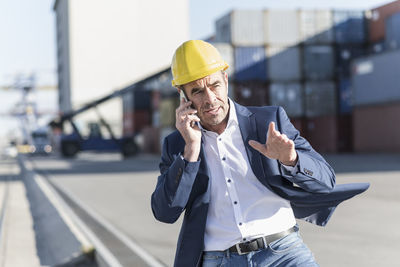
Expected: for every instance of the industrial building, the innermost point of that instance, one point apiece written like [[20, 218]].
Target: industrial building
[[103, 46]]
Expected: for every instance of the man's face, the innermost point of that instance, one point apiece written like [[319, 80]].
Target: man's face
[[209, 96]]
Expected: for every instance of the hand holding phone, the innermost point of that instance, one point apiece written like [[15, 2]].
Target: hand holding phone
[[187, 123], [184, 97]]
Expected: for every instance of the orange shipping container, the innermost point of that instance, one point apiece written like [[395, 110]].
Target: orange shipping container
[[377, 128], [377, 19], [134, 122], [321, 132]]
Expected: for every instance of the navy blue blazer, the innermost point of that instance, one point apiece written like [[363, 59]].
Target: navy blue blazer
[[312, 192]]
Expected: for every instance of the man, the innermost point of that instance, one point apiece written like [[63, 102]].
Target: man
[[241, 174]]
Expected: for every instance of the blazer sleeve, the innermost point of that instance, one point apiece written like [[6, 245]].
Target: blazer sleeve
[[313, 173], [174, 185]]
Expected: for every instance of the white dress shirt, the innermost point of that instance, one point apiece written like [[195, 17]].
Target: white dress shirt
[[241, 208]]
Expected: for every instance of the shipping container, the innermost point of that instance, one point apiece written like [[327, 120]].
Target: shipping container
[[345, 133], [283, 63], [289, 96], [250, 63], [161, 83], [316, 27], [376, 48], [142, 100], [134, 122], [322, 133], [164, 132], [241, 28], [318, 62], [226, 51], [345, 96], [370, 122], [376, 79], [299, 124], [281, 27], [156, 119], [127, 102], [167, 111], [251, 93], [350, 27], [320, 98], [151, 140], [376, 20], [155, 100], [392, 26], [345, 54], [127, 124]]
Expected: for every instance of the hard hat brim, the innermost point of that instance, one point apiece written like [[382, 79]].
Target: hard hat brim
[[200, 74]]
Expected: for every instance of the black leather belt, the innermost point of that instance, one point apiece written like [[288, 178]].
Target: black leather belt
[[259, 243]]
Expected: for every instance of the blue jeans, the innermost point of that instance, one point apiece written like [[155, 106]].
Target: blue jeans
[[287, 251]]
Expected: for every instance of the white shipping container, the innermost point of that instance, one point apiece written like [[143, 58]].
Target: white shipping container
[[281, 27], [241, 28], [284, 63], [289, 96], [316, 26], [320, 98], [226, 51]]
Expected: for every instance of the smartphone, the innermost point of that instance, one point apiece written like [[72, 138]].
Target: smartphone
[[184, 96]]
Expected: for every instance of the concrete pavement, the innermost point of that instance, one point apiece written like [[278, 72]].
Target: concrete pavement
[[17, 240], [357, 234], [362, 232]]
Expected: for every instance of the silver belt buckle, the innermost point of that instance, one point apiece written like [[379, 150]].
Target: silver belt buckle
[[238, 249], [265, 242]]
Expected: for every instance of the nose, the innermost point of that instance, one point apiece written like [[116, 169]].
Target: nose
[[209, 96]]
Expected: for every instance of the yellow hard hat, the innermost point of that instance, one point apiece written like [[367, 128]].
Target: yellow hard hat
[[195, 59]]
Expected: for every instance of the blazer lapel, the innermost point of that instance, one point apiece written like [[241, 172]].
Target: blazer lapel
[[248, 129]]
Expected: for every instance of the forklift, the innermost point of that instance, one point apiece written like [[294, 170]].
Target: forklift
[[72, 144]]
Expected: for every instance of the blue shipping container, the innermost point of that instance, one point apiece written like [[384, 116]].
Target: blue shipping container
[[345, 96], [376, 79], [345, 54], [142, 100], [350, 27], [392, 35], [319, 62], [250, 63]]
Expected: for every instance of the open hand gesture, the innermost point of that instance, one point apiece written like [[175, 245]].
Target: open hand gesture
[[278, 146]]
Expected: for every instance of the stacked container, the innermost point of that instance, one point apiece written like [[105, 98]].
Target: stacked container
[[301, 63], [243, 30], [377, 18], [392, 33], [376, 97], [137, 111], [282, 38]]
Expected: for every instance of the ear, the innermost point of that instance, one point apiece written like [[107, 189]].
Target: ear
[[225, 77]]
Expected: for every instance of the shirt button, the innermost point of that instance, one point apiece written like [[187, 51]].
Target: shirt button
[[223, 158], [240, 223], [235, 202], [244, 239], [219, 139], [229, 180]]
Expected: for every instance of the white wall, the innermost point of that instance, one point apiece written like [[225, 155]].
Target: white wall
[[115, 43]]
